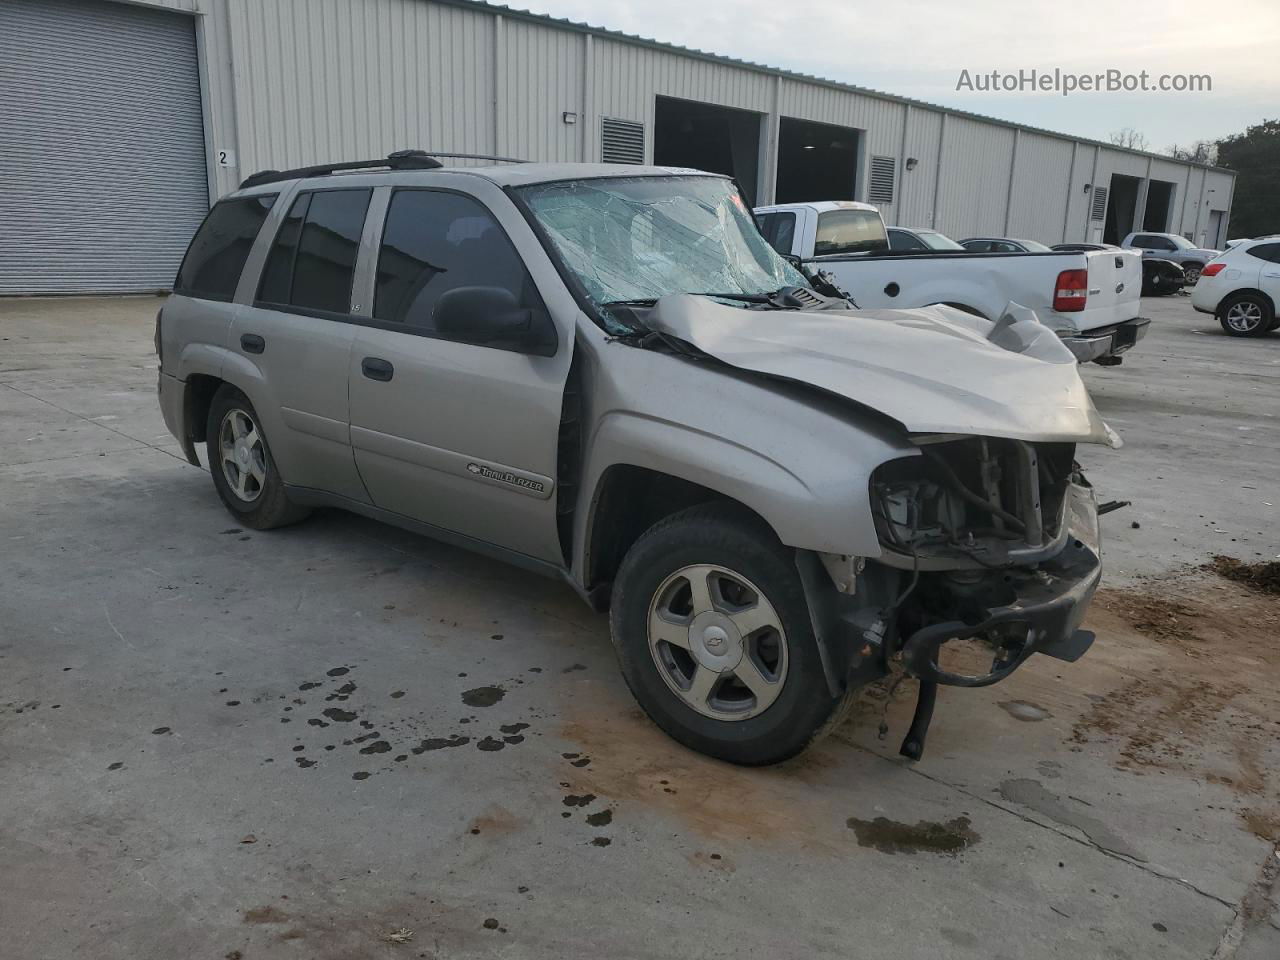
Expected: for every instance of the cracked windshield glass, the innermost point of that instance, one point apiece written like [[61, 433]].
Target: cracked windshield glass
[[641, 238]]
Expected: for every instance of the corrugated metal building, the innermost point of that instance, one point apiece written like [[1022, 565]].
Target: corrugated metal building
[[119, 121]]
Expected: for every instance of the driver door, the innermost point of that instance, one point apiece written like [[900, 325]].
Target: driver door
[[448, 429]]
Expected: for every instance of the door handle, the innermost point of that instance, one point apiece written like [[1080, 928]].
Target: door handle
[[377, 369], [252, 343], [1272, 276]]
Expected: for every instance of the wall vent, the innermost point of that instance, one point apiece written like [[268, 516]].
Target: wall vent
[[1099, 211], [880, 189], [621, 141]]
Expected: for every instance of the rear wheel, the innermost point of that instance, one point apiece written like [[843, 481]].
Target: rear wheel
[[244, 473], [1246, 315], [714, 638]]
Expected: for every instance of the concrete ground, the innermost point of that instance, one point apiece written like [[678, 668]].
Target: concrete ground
[[342, 741]]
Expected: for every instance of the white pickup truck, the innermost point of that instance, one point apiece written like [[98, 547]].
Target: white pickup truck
[[1090, 299]]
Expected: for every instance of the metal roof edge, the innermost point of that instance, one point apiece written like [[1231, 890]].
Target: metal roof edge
[[629, 38]]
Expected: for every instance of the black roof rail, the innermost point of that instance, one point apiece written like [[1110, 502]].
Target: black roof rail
[[400, 160]]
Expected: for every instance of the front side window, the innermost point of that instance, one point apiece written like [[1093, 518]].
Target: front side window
[[434, 242], [641, 238], [211, 268], [849, 231], [1035, 246], [1154, 243], [312, 262]]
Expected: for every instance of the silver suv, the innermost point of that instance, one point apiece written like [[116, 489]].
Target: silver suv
[[604, 373]]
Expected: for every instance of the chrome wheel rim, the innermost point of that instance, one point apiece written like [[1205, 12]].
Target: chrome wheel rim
[[242, 455], [1244, 317], [718, 642], [1192, 274]]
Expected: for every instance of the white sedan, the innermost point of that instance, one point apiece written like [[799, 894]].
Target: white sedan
[[1242, 288]]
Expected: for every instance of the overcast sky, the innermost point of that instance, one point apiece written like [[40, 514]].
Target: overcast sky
[[918, 48]]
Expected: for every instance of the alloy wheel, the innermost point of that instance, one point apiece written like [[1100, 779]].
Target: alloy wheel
[[243, 456], [718, 642], [1244, 317]]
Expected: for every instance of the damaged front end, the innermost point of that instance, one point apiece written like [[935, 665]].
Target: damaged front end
[[990, 553]]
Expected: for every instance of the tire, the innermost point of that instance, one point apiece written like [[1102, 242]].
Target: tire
[[247, 479], [752, 577], [1246, 315], [1192, 273]]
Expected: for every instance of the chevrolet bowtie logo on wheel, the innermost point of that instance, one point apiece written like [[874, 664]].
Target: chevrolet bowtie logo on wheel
[[506, 476]]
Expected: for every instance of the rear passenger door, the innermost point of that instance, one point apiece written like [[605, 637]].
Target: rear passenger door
[[297, 334], [1269, 268], [450, 429]]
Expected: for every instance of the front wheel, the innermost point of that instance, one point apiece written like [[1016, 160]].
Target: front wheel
[[1246, 315], [714, 638], [244, 473], [1191, 273]]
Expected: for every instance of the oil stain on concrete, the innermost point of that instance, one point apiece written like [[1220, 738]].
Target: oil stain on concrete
[[1032, 794], [483, 696], [927, 836]]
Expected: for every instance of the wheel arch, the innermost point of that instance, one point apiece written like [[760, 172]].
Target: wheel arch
[[627, 500], [1242, 291]]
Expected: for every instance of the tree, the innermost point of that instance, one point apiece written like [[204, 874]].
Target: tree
[[1129, 138], [1255, 157], [1200, 151]]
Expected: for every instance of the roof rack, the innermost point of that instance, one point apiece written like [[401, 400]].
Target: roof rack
[[400, 160]]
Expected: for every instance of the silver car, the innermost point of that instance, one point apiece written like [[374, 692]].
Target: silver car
[[605, 374], [1170, 246]]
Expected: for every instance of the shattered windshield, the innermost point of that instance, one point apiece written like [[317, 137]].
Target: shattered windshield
[[641, 238]]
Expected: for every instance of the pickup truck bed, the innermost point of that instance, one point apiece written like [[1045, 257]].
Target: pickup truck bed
[[1092, 300]]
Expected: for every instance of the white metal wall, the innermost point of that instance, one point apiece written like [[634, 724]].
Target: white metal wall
[[291, 82]]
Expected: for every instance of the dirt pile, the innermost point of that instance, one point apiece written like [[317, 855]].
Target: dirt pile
[[1261, 576]]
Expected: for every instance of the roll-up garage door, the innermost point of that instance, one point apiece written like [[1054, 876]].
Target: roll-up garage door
[[102, 155]]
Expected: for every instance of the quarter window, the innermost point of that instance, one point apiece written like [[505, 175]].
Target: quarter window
[[211, 268], [313, 260], [1266, 251], [434, 242]]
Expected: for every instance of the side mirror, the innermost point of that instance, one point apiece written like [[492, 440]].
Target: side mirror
[[492, 317]]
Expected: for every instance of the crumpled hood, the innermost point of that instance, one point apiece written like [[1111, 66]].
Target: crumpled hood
[[932, 369]]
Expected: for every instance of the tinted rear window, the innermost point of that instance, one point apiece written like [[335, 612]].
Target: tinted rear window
[[211, 268], [313, 259], [849, 231]]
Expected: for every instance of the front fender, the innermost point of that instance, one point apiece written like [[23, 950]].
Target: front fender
[[811, 488]]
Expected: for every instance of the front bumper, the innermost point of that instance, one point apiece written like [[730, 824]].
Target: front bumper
[[1107, 341], [1050, 605]]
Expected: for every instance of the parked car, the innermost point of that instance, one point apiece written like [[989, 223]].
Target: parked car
[[1003, 245], [917, 240], [582, 369], [1242, 287], [1091, 300], [1159, 277], [1170, 246]]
